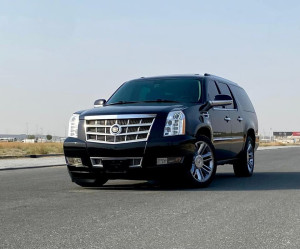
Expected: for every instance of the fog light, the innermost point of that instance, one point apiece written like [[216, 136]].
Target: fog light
[[74, 161], [169, 160], [161, 161]]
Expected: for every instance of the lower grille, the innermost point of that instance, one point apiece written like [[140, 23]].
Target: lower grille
[[132, 162], [118, 128]]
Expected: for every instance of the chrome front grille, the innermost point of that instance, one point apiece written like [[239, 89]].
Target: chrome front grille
[[118, 128]]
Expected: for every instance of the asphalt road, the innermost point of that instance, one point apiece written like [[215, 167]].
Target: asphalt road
[[41, 208]]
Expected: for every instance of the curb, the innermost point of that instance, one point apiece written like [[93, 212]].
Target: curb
[[277, 147], [33, 167], [30, 156]]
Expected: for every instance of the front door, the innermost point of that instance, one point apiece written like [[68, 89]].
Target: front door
[[220, 122]]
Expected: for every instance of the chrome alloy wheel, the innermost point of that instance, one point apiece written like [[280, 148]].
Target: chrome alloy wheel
[[250, 157], [203, 162]]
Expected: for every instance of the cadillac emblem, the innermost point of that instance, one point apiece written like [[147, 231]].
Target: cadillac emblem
[[115, 129]]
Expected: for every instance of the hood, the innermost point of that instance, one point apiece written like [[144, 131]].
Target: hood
[[144, 108]]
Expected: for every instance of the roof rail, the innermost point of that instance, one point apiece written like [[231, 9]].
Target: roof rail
[[208, 74]]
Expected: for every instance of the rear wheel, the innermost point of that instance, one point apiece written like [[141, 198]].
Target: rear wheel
[[245, 166], [99, 182], [202, 170]]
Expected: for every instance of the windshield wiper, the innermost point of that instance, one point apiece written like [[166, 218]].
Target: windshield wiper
[[145, 101], [161, 101], [123, 102]]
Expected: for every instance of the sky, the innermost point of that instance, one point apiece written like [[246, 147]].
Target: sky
[[57, 57]]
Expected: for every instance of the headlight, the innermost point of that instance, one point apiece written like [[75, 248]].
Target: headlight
[[175, 124], [73, 126]]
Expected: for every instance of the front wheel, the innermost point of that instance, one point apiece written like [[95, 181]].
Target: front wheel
[[202, 170], [245, 166]]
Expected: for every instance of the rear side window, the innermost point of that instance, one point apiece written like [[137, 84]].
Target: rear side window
[[225, 90], [242, 98]]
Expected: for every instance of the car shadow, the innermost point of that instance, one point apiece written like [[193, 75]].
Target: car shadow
[[222, 182], [259, 181]]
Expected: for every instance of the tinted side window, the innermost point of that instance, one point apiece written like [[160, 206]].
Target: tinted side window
[[225, 90], [212, 90], [242, 98]]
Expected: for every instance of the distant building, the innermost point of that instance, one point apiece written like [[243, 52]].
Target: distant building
[[287, 136], [8, 139], [16, 137], [28, 141], [22, 137]]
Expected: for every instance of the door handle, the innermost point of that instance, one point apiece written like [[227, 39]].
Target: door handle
[[227, 119], [240, 119]]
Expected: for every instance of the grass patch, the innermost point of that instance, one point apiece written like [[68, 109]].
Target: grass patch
[[23, 149]]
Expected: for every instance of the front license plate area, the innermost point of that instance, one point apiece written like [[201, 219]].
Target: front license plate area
[[116, 166]]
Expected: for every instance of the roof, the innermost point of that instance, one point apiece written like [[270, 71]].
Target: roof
[[174, 76], [196, 76], [220, 78]]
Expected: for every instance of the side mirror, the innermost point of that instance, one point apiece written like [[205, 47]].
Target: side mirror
[[221, 100], [99, 103]]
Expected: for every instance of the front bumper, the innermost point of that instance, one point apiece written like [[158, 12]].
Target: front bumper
[[166, 147]]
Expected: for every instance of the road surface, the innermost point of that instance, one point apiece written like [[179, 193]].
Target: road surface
[[41, 208]]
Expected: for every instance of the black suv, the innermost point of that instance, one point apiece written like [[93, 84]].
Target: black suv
[[169, 127]]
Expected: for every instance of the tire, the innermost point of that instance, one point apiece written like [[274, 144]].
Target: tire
[[245, 166], [201, 171], [99, 182]]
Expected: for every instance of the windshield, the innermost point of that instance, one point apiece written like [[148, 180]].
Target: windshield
[[158, 90]]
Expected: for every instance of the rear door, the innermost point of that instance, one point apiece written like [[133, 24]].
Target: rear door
[[220, 124]]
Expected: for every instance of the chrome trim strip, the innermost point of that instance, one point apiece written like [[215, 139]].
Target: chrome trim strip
[[130, 125], [227, 138], [123, 142], [222, 139], [120, 116], [238, 138], [116, 158], [121, 134], [224, 109], [94, 164]]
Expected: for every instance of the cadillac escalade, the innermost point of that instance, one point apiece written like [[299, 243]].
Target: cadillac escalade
[[165, 127]]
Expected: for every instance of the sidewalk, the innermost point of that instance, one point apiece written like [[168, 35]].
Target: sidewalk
[[19, 163], [278, 147]]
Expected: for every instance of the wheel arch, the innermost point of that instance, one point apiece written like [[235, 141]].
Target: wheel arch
[[251, 134], [204, 131]]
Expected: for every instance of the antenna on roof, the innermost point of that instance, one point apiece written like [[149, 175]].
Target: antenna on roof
[[207, 74]]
